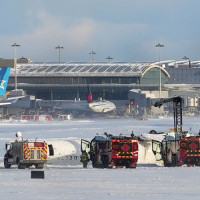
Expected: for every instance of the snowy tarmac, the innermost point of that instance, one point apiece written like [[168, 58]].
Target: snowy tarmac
[[72, 182], [141, 183]]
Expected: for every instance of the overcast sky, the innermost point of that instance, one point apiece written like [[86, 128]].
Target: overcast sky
[[126, 30]]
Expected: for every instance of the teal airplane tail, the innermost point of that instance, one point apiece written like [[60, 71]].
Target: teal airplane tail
[[4, 76]]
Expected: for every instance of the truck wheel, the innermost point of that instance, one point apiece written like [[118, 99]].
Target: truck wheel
[[6, 164], [105, 161], [174, 160], [94, 164], [21, 166]]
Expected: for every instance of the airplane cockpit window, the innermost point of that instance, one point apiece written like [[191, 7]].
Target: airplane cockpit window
[[51, 151]]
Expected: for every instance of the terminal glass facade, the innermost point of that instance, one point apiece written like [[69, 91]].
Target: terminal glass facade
[[111, 81]]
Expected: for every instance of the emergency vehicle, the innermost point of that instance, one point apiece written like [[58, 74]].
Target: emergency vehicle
[[180, 148], [182, 151], [112, 151], [24, 153], [190, 151]]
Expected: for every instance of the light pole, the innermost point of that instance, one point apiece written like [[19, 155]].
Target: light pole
[[186, 58], [59, 48], [92, 53], [109, 58], [15, 63], [159, 46]]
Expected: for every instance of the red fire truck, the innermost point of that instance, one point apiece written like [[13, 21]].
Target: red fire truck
[[25, 154], [180, 149], [112, 151], [190, 151]]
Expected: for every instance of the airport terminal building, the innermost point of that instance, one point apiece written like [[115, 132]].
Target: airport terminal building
[[62, 85], [69, 81]]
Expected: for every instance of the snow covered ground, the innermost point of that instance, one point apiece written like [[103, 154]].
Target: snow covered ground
[[72, 182]]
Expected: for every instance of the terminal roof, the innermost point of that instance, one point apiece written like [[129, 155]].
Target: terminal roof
[[81, 69]]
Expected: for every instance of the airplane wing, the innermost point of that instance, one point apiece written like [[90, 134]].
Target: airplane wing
[[15, 98], [10, 100], [4, 103]]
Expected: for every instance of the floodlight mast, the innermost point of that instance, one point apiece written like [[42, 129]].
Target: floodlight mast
[[159, 46], [15, 65], [92, 53], [109, 58], [59, 48]]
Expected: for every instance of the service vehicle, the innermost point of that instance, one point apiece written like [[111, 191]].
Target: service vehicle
[[179, 148], [108, 151], [182, 151], [24, 153], [190, 151]]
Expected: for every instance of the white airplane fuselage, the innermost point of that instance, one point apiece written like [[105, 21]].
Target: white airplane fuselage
[[63, 152], [67, 152], [102, 106]]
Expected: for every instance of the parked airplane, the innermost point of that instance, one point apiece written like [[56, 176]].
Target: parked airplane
[[4, 76], [101, 106]]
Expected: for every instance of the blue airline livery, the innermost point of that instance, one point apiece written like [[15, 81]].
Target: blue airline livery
[[4, 76]]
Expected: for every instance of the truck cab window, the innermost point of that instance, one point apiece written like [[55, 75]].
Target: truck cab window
[[38, 154], [32, 154]]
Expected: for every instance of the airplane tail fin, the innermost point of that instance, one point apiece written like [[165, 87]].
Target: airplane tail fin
[[4, 76], [89, 98]]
